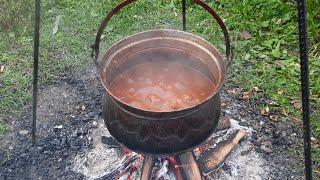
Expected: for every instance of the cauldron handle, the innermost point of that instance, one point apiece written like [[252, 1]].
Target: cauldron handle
[[229, 48], [96, 46]]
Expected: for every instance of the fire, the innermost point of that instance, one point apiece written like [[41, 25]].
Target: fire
[[127, 152], [175, 167]]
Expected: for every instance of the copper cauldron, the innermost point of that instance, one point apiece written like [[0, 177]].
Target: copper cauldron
[[162, 132]]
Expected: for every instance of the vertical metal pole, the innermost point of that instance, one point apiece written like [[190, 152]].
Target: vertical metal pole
[[303, 38], [35, 68], [184, 19]]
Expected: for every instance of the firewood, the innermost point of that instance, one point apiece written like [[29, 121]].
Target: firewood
[[117, 171], [148, 164], [189, 167], [212, 158]]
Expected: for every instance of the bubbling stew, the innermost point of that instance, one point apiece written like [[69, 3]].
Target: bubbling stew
[[161, 86]]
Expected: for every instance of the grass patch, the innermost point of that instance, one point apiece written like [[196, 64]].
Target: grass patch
[[268, 60], [69, 48]]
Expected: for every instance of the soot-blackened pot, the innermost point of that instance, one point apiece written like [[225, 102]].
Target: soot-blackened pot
[[162, 132]]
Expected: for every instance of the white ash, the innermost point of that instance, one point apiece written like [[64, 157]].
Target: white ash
[[133, 170], [162, 170], [236, 126], [245, 167], [224, 134], [241, 167], [100, 160]]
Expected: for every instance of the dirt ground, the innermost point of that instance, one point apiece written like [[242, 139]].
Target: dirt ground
[[70, 130]]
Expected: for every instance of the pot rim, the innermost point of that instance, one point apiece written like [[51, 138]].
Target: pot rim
[[106, 61]]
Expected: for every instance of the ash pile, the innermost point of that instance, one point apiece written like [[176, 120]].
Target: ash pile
[[227, 154]]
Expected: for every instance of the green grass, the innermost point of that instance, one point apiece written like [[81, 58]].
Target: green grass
[[69, 48], [269, 60]]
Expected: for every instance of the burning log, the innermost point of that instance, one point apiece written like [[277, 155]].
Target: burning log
[[127, 166], [175, 167], [184, 166], [147, 167], [212, 158], [190, 169]]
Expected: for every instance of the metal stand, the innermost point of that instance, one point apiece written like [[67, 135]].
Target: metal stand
[[35, 68], [303, 38], [304, 75], [184, 19]]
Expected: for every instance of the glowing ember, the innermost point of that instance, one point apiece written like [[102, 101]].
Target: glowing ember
[[127, 152], [174, 165], [169, 168]]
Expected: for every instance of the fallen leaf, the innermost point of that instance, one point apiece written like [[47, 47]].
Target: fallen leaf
[[266, 145], [223, 104], [232, 91], [175, 13], [266, 149], [273, 118], [279, 22], [297, 104], [102, 37], [314, 97], [295, 119], [284, 112], [265, 111], [280, 92], [314, 142], [56, 25], [245, 96], [270, 102], [247, 56], [256, 89], [1, 68], [245, 35], [276, 52]]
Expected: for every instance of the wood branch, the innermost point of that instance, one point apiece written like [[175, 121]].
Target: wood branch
[[211, 159], [148, 163], [124, 165], [224, 123], [189, 166]]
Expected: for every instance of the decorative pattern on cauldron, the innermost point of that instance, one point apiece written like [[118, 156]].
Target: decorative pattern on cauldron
[[162, 132], [161, 136]]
